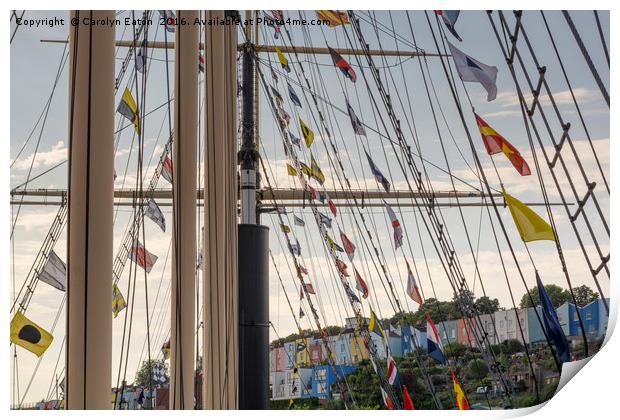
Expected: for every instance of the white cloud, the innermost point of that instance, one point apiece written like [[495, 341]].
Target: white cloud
[[55, 155]]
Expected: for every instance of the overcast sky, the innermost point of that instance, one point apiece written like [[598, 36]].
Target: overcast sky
[[34, 66]]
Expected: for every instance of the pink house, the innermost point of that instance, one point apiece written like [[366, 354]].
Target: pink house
[[278, 358]]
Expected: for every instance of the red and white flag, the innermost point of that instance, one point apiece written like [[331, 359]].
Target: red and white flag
[[348, 246], [342, 267], [398, 230], [387, 400], [392, 371], [142, 257], [412, 286], [166, 169], [309, 289], [361, 285]]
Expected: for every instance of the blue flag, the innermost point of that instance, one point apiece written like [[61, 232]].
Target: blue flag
[[293, 96], [552, 324], [378, 175]]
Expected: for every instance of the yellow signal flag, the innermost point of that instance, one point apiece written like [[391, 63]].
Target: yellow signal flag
[[285, 228], [530, 225], [283, 60], [374, 325], [290, 170], [316, 171], [307, 133], [118, 301], [129, 109], [29, 335]]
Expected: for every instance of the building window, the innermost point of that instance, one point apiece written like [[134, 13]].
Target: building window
[[321, 388], [589, 315], [576, 317], [501, 324], [463, 331]]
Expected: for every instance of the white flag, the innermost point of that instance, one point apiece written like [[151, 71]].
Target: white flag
[[471, 70], [154, 213], [54, 272]]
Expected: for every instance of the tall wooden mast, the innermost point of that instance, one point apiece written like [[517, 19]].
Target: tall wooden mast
[[91, 172], [184, 164], [220, 216]]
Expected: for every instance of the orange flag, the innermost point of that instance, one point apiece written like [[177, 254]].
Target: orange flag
[[461, 400], [407, 403], [495, 143]]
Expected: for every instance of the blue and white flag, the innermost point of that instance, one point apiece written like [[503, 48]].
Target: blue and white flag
[[141, 57], [293, 96], [295, 140], [552, 324], [325, 220], [449, 18], [154, 213], [378, 175], [358, 127], [472, 70]]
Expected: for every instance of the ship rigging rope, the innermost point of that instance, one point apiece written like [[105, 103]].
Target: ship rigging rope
[[453, 270], [573, 97], [14, 15], [495, 237], [297, 265], [486, 184], [586, 56], [558, 155], [483, 333], [546, 199]]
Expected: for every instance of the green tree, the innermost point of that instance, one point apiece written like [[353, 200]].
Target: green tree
[[557, 295], [486, 305], [142, 375], [584, 295], [476, 370], [438, 310], [455, 349]]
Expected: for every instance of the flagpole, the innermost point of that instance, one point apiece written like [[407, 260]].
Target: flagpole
[[90, 212]]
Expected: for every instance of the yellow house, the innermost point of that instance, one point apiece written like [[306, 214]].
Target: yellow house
[[302, 352], [357, 348]]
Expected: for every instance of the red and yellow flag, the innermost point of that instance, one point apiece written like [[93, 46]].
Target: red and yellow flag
[[461, 400], [333, 17], [495, 143]]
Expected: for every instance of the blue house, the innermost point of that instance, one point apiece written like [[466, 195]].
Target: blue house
[[323, 378], [447, 331], [593, 315], [343, 353], [589, 317], [407, 336], [536, 333]]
